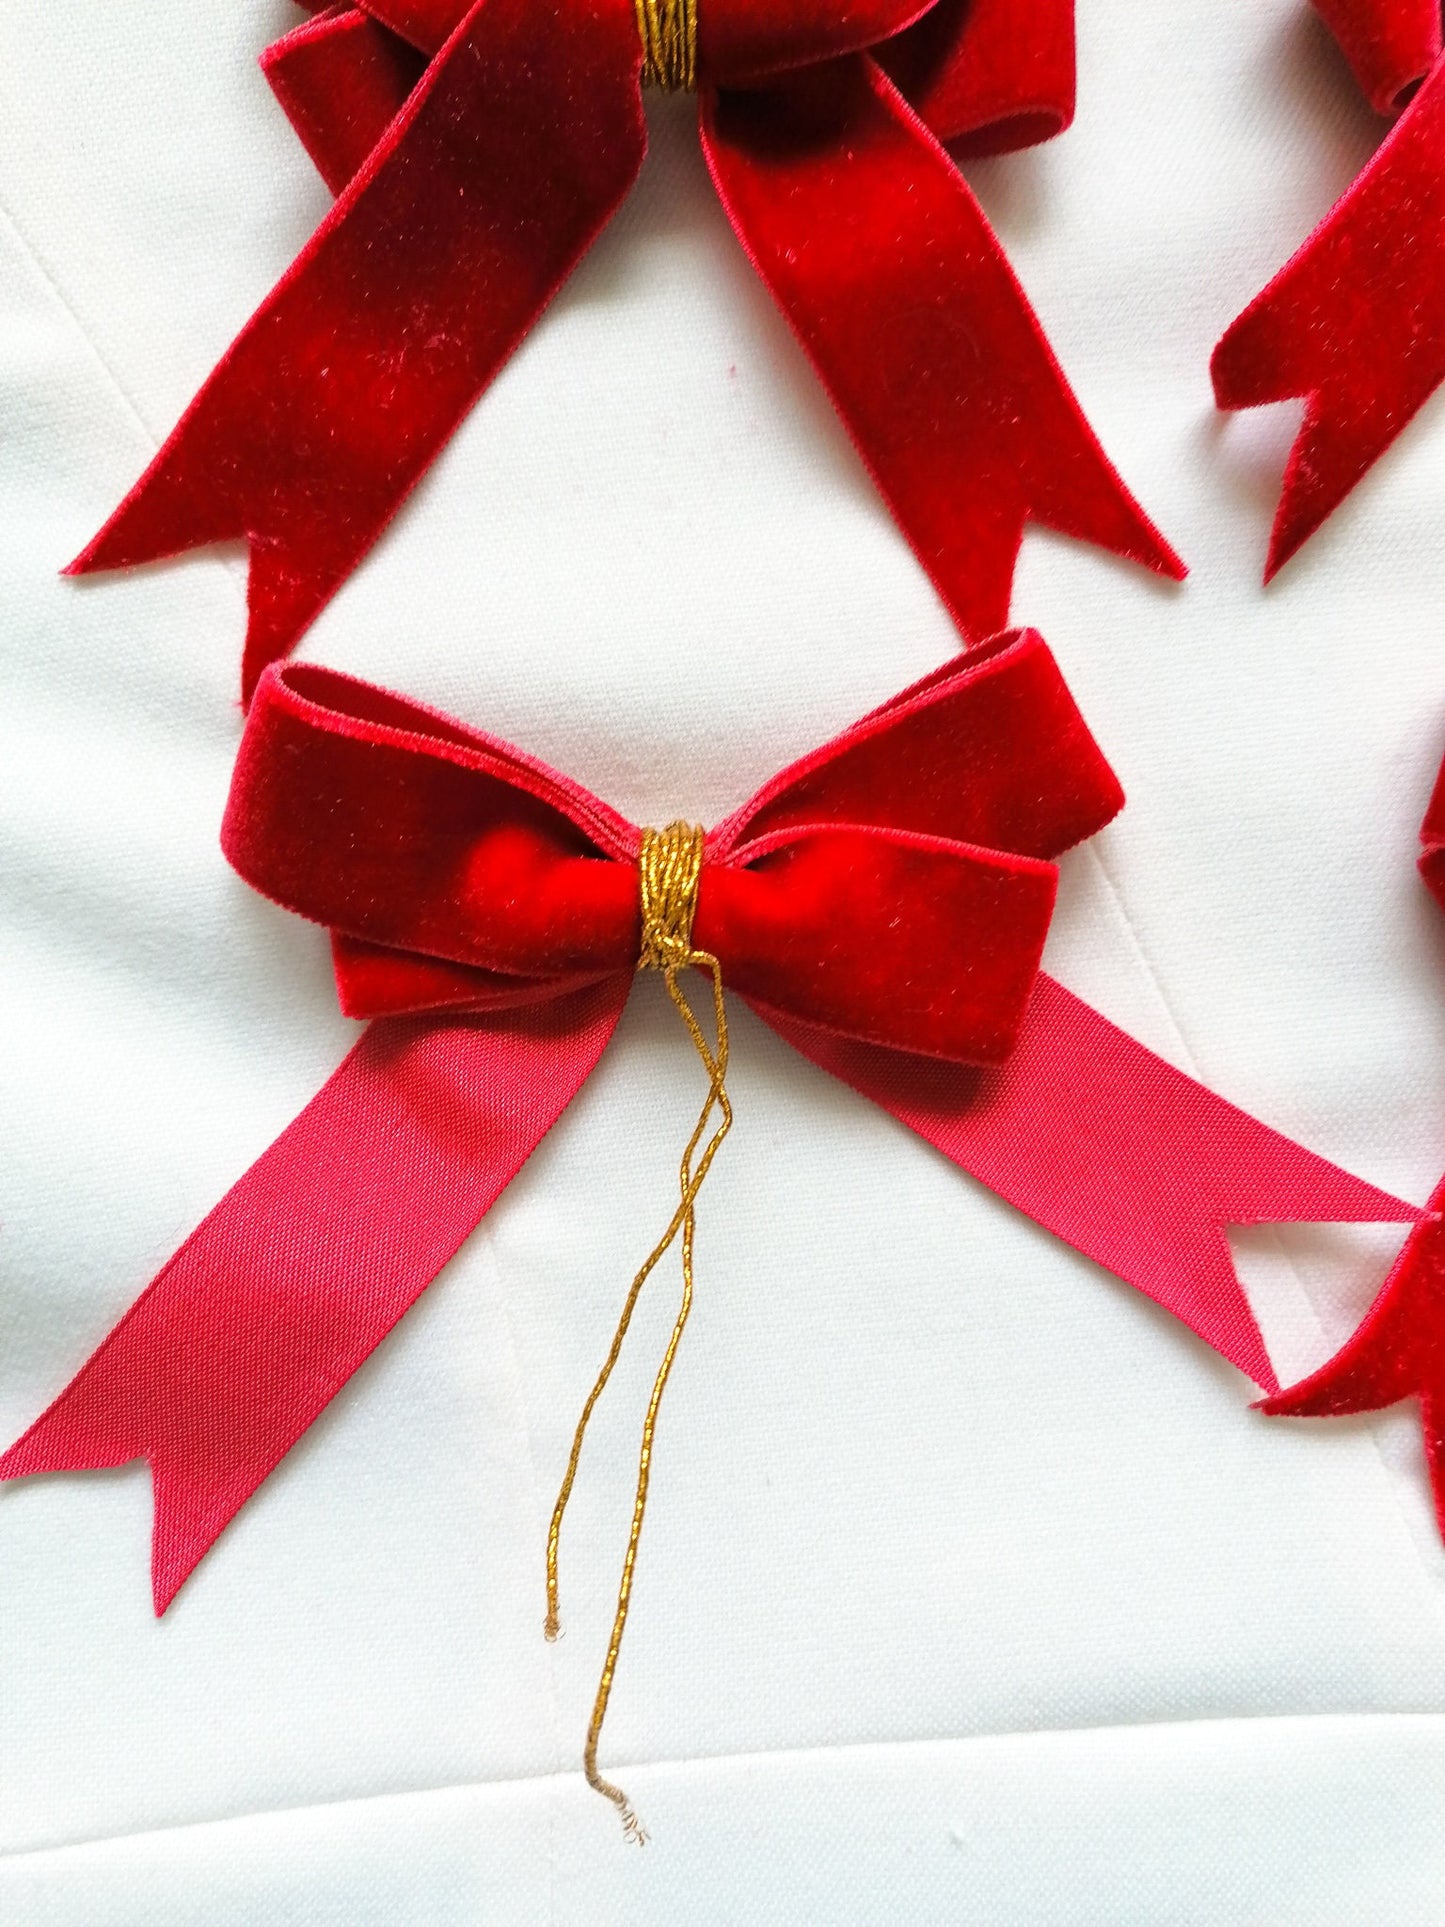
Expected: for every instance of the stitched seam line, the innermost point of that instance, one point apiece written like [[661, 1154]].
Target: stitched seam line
[[1430, 1722], [486, 1237], [235, 573], [48, 280]]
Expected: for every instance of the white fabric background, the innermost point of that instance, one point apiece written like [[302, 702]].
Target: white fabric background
[[972, 1589]]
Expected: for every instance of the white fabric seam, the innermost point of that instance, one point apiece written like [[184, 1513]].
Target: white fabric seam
[[487, 1247], [113, 381], [31, 253], [799, 1753]]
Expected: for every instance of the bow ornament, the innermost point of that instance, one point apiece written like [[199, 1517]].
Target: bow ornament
[[882, 904], [478, 150]]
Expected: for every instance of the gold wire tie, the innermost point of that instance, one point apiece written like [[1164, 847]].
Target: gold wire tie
[[670, 862], [668, 31]]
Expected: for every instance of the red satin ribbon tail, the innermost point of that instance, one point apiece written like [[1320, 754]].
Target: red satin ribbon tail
[[1119, 1154], [255, 1324], [885, 267], [97, 1422], [343, 387], [1354, 323], [1398, 1351]]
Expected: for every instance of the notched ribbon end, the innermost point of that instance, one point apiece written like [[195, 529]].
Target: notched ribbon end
[[1104, 511], [1254, 366], [108, 550], [1292, 527], [1397, 1353], [188, 1516], [287, 589], [1153, 551]]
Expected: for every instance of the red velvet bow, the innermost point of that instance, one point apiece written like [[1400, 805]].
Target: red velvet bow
[[1399, 1349], [478, 150], [1355, 322], [881, 905], [891, 888]]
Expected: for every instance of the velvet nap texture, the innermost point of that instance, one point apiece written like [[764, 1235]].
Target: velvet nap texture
[[477, 152], [1354, 323], [882, 904]]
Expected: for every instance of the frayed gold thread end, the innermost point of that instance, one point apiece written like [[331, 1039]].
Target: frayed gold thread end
[[632, 1827]]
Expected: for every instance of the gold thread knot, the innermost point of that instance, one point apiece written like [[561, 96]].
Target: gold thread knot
[[668, 31], [669, 864]]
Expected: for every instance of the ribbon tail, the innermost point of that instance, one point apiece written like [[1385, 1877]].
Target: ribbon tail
[[1398, 1351], [1354, 323], [481, 196], [255, 1324], [882, 262], [987, 76], [341, 79], [1117, 1153]]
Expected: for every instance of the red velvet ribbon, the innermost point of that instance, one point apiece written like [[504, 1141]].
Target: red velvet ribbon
[[477, 151], [1398, 1351], [882, 904], [1354, 323]]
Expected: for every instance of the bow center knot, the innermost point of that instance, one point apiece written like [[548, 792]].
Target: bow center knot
[[669, 865], [668, 31]]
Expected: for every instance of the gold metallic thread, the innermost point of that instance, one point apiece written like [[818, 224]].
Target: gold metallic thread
[[668, 31], [670, 862]]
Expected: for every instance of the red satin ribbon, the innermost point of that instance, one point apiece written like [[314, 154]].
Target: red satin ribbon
[[1399, 1349], [478, 151], [1355, 322], [881, 904]]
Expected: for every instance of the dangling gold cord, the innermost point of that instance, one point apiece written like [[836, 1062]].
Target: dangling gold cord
[[668, 31], [670, 862]]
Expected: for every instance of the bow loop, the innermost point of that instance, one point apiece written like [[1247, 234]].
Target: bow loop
[[911, 942], [1390, 44], [738, 41], [742, 43], [890, 887], [392, 825], [990, 749]]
